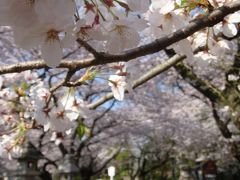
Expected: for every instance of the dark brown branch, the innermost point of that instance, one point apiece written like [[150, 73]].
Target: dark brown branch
[[100, 117], [88, 47]]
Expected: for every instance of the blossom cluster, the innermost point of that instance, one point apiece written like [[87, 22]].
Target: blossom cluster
[[27, 103], [117, 25]]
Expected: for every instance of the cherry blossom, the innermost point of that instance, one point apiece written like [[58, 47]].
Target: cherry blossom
[[74, 107], [42, 29], [124, 31], [229, 24], [118, 86]]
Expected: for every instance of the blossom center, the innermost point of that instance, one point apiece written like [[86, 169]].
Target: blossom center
[[29, 2], [168, 16], [60, 114], [52, 35], [120, 29]]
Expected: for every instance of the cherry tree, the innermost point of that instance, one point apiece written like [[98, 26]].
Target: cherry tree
[[77, 56]]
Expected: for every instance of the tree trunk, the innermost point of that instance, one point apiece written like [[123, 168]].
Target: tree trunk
[[86, 175], [142, 176]]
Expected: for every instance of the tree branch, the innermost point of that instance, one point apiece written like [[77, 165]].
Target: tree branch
[[221, 125], [149, 75], [88, 47], [144, 78], [203, 86]]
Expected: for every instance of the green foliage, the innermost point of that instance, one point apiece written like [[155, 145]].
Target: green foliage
[[81, 130], [192, 4], [122, 156]]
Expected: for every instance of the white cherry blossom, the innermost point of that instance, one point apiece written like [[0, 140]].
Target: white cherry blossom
[[118, 86], [17, 13], [203, 59], [41, 23], [139, 6], [229, 23], [74, 107], [58, 120], [124, 32]]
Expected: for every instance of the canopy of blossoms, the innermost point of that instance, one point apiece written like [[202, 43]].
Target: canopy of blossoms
[[112, 31]]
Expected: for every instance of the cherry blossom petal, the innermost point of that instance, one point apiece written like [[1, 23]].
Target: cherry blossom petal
[[168, 7], [234, 18], [52, 53], [118, 92], [49, 10], [229, 30], [27, 39], [157, 4], [140, 5], [118, 86], [68, 41]]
